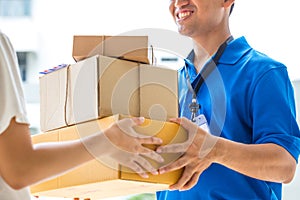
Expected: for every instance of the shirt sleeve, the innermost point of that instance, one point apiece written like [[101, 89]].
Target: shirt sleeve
[[274, 113], [12, 101]]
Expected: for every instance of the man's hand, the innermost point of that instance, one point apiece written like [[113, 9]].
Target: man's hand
[[197, 154]]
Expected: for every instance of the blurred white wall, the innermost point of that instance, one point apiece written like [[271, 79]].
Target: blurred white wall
[[270, 26]]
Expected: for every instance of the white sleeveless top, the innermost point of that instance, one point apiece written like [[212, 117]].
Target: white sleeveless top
[[12, 104]]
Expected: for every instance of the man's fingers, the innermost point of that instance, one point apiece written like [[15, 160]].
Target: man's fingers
[[184, 179], [173, 148], [186, 124], [193, 181], [180, 163], [180, 121]]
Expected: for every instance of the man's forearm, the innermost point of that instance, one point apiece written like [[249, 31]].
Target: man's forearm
[[268, 162]]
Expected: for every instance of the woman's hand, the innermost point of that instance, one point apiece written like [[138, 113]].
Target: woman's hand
[[196, 154], [125, 145]]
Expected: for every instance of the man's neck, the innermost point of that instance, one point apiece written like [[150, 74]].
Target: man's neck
[[204, 48], [200, 58]]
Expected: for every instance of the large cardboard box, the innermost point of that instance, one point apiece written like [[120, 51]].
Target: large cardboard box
[[98, 179], [133, 48], [158, 92], [101, 86], [93, 88]]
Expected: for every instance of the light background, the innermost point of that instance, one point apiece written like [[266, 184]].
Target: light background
[[271, 27]]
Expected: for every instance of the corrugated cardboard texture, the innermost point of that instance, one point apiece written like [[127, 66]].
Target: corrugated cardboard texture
[[97, 180], [133, 48]]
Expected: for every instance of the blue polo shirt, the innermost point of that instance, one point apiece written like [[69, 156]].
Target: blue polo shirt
[[249, 99]]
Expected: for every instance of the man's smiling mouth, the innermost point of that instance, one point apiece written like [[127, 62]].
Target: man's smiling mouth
[[183, 15]]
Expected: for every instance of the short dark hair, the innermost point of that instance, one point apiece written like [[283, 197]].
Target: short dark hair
[[231, 8]]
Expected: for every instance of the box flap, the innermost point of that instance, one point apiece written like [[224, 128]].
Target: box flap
[[53, 93], [134, 48], [85, 46], [82, 99]]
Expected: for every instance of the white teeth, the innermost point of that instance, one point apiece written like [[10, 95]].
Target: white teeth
[[183, 15]]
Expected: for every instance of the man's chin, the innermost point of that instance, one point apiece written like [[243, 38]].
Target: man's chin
[[183, 31]]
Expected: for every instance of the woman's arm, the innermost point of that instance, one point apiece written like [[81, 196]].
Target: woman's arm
[[22, 164]]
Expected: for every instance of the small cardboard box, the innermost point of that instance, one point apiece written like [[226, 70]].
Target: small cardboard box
[[133, 48], [102, 180], [101, 86], [96, 87]]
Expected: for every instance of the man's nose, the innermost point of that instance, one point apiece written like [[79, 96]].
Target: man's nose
[[180, 3]]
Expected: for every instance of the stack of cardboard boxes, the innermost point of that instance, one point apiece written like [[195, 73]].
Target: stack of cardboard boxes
[[110, 80]]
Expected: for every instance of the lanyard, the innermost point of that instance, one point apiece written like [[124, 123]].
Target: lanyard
[[207, 69]]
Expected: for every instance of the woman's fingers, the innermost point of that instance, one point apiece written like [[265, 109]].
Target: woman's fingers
[[150, 140], [126, 125], [152, 155], [138, 164], [145, 164], [136, 168], [131, 122]]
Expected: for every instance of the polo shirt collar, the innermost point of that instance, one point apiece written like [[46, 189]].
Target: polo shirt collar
[[235, 50]]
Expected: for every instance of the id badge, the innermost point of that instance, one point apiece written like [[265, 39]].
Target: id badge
[[201, 121]]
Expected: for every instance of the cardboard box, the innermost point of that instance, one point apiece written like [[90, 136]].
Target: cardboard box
[[101, 180], [133, 48], [93, 88], [101, 86], [158, 92]]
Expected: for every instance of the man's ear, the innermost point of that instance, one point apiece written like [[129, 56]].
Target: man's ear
[[228, 3]]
